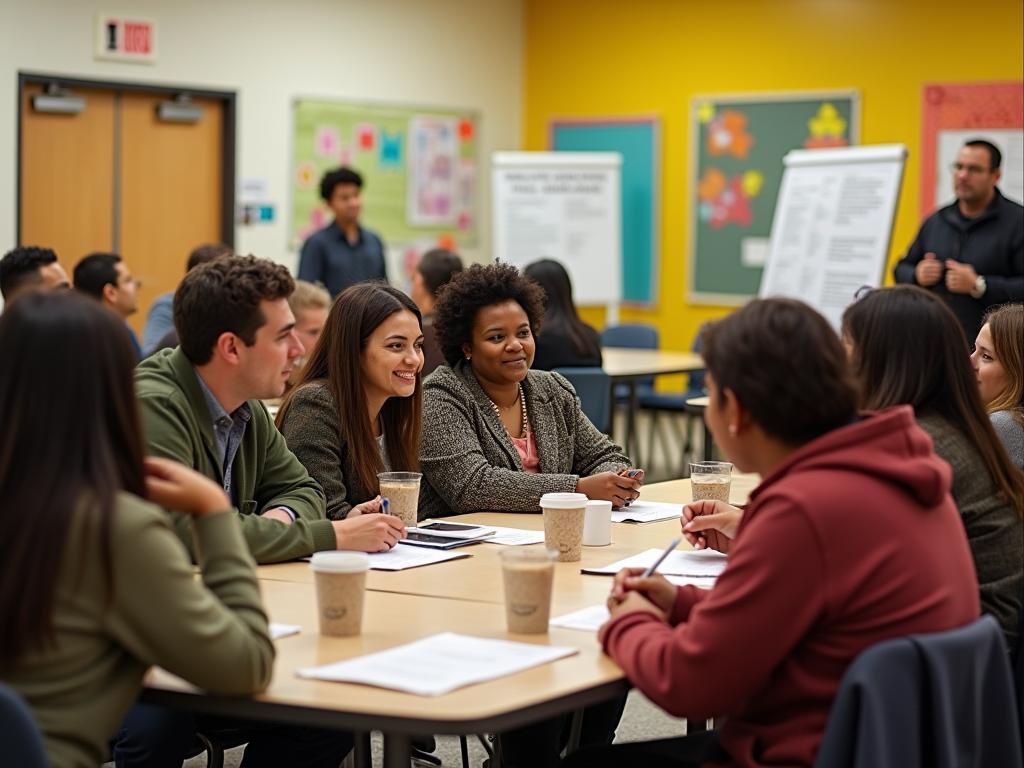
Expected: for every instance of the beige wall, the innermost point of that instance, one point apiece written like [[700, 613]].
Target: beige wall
[[458, 53]]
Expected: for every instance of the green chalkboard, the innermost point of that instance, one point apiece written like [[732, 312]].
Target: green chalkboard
[[737, 146], [419, 167], [638, 140]]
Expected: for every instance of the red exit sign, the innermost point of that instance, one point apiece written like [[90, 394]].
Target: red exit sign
[[120, 38]]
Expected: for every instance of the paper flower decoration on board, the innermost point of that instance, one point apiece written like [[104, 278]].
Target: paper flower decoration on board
[[827, 129], [727, 135], [724, 201]]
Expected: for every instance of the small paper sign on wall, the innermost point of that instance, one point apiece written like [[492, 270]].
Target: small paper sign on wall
[[120, 38]]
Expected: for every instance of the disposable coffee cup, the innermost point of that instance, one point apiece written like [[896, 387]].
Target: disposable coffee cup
[[528, 574], [711, 480], [597, 524], [563, 524], [340, 587], [402, 490]]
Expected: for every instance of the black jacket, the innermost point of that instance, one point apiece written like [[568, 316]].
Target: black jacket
[[992, 243]]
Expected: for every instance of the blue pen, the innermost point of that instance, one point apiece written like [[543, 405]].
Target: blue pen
[[387, 506], [633, 473]]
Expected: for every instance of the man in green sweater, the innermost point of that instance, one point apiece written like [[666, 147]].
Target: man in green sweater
[[200, 405]]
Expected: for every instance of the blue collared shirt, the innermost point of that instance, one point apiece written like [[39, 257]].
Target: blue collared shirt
[[228, 429], [329, 258]]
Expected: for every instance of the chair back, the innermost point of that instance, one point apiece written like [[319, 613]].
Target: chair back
[[940, 700], [20, 737], [593, 387]]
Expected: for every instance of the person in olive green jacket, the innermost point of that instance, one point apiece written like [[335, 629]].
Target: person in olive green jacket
[[201, 406], [91, 574]]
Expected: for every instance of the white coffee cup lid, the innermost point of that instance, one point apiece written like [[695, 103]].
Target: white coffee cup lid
[[563, 500], [340, 562]]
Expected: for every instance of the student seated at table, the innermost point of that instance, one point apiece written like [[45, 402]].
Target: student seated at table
[[434, 269], [851, 539], [567, 341], [497, 435], [201, 406], [925, 365], [356, 407], [998, 361], [92, 576]]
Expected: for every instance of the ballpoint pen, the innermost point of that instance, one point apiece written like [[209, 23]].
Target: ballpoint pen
[[661, 558]]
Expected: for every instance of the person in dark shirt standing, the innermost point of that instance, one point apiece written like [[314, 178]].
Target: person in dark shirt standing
[[971, 253], [342, 253]]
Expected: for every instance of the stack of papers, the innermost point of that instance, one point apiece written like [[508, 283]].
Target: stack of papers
[[647, 512], [680, 567], [454, 530], [439, 664], [404, 556]]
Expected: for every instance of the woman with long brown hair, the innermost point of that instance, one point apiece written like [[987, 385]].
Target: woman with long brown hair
[[356, 407], [908, 348], [94, 584], [998, 361]]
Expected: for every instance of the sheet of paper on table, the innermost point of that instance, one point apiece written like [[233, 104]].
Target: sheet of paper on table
[[439, 664], [647, 512], [515, 537], [587, 619], [705, 564], [436, 528], [404, 556], [278, 631]]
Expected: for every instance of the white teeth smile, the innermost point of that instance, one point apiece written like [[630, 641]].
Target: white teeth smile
[[405, 375]]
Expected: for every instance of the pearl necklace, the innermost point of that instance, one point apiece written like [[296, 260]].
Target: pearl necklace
[[520, 399]]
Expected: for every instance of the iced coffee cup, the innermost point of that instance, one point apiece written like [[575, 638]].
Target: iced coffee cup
[[711, 480], [340, 586], [402, 490], [528, 575], [563, 523]]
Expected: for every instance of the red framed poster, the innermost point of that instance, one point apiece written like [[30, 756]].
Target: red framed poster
[[957, 112]]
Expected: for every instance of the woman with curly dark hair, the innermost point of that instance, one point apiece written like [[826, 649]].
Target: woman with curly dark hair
[[497, 435]]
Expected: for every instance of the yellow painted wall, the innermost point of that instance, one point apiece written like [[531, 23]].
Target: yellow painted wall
[[610, 57]]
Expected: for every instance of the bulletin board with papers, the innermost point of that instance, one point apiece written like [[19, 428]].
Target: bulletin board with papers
[[419, 167]]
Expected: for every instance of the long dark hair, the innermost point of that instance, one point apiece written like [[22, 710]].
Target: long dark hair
[[559, 311], [336, 361], [71, 441], [909, 349]]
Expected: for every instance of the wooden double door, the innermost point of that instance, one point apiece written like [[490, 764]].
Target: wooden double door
[[116, 177]]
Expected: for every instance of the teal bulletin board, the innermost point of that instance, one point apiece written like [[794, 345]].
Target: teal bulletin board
[[737, 146], [419, 167], [638, 140]]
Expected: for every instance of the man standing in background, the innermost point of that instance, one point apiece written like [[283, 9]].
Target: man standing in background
[[106, 278], [30, 267], [342, 253], [971, 253]]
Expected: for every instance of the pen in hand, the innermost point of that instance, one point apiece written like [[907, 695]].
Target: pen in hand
[[661, 558], [386, 506]]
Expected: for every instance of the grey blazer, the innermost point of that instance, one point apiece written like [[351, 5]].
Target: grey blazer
[[311, 427], [469, 462], [994, 532]]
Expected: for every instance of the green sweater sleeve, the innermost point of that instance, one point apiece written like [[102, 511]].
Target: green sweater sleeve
[[173, 433], [212, 633]]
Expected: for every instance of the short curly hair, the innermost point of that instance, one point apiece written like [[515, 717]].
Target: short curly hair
[[224, 295], [20, 268], [460, 301]]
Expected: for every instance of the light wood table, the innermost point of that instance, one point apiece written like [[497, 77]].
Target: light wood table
[[478, 578], [390, 620], [627, 365]]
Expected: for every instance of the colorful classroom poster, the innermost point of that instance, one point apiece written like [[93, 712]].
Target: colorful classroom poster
[[418, 167], [737, 147]]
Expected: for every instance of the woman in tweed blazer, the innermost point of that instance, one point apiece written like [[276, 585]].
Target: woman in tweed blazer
[[483, 447]]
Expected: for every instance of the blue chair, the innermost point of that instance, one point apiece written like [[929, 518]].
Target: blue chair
[[593, 387], [941, 700], [21, 740], [672, 405]]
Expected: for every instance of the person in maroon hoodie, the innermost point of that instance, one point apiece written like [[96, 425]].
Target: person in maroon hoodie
[[851, 539]]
